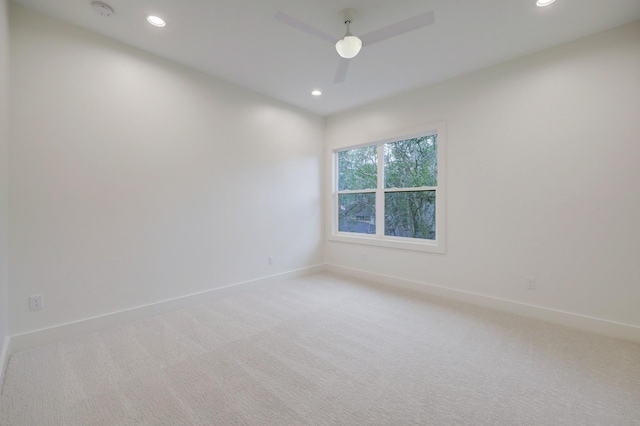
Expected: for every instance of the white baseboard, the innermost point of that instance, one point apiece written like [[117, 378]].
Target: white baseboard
[[68, 330], [43, 336], [582, 322], [4, 359]]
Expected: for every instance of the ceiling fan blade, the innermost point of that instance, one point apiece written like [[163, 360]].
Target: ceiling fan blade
[[398, 28], [299, 25], [341, 72]]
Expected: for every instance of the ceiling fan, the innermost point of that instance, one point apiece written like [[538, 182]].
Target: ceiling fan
[[349, 45]]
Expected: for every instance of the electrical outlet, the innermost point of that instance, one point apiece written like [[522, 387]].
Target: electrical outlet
[[530, 282], [36, 302], [272, 260]]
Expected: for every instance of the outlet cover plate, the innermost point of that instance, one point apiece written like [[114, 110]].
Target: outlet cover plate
[[530, 282], [36, 302]]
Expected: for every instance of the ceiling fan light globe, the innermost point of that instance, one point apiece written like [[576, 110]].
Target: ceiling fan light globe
[[349, 46]]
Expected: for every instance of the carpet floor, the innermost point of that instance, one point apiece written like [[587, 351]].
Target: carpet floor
[[327, 350]]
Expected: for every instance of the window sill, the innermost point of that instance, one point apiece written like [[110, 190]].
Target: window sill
[[429, 246]]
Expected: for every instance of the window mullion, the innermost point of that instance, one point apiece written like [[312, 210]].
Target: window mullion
[[335, 184], [356, 191], [380, 193], [412, 189]]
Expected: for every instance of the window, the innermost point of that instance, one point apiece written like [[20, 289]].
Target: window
[[391, 193]]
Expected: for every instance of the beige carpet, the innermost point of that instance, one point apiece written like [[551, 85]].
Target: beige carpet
[[324, 350]]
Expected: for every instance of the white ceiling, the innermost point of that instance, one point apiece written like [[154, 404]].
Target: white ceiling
[[240, 41]]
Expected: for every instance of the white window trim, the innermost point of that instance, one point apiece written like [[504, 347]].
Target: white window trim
[[433, 246]]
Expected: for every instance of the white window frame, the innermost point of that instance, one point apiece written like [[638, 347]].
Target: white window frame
[[379, 239]]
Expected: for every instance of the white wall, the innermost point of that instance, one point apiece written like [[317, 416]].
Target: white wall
[[543, 178], [122, 165], [134, 180], [4, 212]]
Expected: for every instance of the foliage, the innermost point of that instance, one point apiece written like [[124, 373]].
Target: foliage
[[411, 163], [358, 169], [410, 214]]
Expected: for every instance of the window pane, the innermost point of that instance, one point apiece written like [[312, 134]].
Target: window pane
[[358, 169], [410, 214], [411, 163], [357, 213]]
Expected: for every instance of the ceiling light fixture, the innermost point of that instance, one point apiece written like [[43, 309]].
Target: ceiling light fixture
[[349, 46], [542, 3], [316, 93], [156, 21]]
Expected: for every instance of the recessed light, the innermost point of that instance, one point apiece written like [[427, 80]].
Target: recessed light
[[542, 3], [316, 93], [156, 21]]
